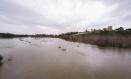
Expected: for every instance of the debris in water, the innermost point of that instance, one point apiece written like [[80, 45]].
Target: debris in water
[[63, 49], [10, 59], [59, 47], [21, 39], [29, 42], [78, 46]]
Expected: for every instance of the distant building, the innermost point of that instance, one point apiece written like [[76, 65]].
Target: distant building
[[104, 29], [109, 28], [96, 31]]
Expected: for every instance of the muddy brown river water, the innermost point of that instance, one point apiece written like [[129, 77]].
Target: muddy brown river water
[[53, 58]]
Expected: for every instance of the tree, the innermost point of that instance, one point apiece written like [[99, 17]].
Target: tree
[[120, 29]]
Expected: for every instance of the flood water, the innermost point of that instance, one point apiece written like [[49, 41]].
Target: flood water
[[53, 58]]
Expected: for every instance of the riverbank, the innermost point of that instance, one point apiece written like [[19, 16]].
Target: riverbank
[[120, 39], [102, 38], [10, 35]]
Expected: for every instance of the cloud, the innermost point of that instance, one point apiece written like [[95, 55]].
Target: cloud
[[123, 11], [56, 16]]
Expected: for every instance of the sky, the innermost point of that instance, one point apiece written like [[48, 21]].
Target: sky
[[60, 16]]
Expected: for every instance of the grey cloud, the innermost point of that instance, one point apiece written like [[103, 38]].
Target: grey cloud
[[13, 15], [120, 16]]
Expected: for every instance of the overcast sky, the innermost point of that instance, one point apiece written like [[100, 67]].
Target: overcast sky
[[58, 16]]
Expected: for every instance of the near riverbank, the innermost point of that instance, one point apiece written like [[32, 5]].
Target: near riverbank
[[120, 39]]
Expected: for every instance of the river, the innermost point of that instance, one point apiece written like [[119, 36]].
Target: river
[[53, 58]]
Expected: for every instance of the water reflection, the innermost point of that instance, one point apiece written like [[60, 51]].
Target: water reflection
[[38, 58]]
